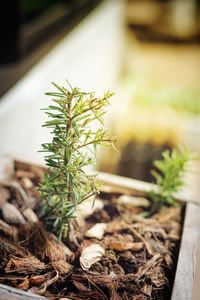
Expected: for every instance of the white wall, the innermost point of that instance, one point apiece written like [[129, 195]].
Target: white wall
[[90, 57]]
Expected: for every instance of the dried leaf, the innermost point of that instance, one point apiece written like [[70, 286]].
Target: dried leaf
[[43, 287], [39, 279], [91, 255], [123, 246]]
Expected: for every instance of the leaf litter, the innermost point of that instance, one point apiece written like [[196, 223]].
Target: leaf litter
[[124, 256]]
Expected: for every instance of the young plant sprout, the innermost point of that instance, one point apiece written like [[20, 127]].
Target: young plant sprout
[[169, 177], [66, 184]]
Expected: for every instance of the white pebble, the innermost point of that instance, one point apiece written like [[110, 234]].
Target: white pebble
[[12, 215], [97, 231]]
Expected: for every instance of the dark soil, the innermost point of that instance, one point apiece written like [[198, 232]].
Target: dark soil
[[140, 254]]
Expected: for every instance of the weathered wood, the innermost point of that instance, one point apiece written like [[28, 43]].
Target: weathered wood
[[8, 248], [10, 293], [196, 286], [184, 278], [140, 187]]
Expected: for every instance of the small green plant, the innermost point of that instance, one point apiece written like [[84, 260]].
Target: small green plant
[[169, 177], [66, 183]]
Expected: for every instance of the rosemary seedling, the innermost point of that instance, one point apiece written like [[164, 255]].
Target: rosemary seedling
[[169, 177], [66, 183]]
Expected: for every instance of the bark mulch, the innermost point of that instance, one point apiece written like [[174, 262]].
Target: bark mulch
[[138, 257]]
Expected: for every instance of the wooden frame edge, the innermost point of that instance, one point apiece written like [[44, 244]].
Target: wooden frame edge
[[185, 271]]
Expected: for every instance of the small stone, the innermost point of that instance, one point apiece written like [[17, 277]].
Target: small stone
[[97, 231], [136, 201], [30, 215], [88, 207], [27, 182], [12, 215]]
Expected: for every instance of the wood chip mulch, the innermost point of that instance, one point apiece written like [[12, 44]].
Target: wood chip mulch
[[140, 253]]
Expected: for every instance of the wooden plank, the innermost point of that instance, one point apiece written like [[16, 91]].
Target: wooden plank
[[187, 261], [140, 186], [196, 286], [10, 293], [125, 183]]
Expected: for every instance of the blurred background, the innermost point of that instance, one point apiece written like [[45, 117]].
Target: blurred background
[[147, 51]]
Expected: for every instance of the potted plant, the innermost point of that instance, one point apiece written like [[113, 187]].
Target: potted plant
[[105, 248]]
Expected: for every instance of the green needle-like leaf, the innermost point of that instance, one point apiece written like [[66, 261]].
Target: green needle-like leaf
[[66, 184]]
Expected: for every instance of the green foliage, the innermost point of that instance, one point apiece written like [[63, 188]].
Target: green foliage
[[67, 184], [169, 177]]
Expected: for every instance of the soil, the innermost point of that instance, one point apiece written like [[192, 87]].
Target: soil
[[136, 258]]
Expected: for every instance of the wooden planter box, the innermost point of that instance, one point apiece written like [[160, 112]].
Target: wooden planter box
[[187, 277]]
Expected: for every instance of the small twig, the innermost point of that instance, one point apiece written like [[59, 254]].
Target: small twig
[[142, 239]]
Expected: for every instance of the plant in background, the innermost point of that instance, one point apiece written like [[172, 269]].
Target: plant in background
[[66, 184], [169, 177]]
